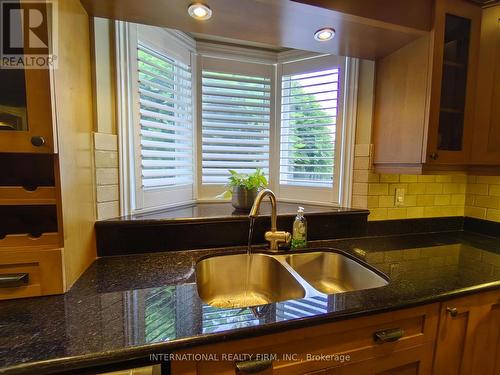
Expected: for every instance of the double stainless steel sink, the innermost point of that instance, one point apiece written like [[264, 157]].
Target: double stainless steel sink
[[241, 280]]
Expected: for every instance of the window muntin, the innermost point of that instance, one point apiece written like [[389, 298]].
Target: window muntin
[[309, 110], [236, 116], [166, 125]]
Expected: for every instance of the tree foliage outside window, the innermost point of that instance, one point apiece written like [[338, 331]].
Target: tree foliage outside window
[[309, 114], [320, 146]]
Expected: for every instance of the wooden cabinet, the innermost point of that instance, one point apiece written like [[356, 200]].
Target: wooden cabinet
[[468, 340], [47, 204], [486, 141], [425, 95], [399, 342], [26, 116]]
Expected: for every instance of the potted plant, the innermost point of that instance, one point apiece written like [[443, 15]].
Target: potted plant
[[243, 188]]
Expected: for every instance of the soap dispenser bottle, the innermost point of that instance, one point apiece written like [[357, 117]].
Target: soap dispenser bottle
[[299, 236]]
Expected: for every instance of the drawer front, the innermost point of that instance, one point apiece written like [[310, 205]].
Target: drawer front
[[148, 370], [346, 343], [30, 273]]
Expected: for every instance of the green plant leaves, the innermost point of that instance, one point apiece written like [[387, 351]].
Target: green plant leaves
[[252, 181]]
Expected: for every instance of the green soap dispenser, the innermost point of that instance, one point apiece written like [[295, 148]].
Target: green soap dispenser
[[299, 236]]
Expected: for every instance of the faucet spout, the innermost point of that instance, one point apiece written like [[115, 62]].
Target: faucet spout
[[274, 236], [254, 212]]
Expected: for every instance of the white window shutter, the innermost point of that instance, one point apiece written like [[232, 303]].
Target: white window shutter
[[309, 106], [235, 124], [166, 124]]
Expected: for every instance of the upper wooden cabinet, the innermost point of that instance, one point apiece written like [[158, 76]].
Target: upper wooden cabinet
[[26, 111], [425, 94], [26, 107], [486, 141]]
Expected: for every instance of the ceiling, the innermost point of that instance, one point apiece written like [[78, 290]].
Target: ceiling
[[273, 24]]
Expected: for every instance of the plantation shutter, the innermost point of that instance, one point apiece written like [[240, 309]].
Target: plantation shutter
[[166, 124], [309, 110], [163, 118], [236, 113]]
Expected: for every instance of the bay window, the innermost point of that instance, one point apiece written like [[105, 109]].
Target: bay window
[[195, 116]]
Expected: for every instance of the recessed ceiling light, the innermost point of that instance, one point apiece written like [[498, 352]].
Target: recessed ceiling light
[[324, 34], [200, 11]]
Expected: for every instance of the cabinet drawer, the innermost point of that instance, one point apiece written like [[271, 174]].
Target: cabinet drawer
[[43, 269], [299, 351], [23, 240], [18, 195]]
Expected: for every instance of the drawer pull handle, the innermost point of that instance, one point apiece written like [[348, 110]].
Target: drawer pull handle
[[452, 311], [14, 279], [253, 367], [388, 335]]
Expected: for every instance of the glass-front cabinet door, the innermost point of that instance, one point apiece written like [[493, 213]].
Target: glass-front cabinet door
[[25, 94], [13, 108], [456, 43]]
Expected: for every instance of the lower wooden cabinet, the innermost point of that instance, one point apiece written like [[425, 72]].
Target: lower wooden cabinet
[[459, 336], [31, 272], [399, 342], [468, 340]]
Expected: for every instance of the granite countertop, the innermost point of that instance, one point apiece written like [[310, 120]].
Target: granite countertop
[[126, 307]]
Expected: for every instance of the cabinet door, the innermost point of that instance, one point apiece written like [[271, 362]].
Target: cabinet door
[[415, 361], [25, 108], [469, 336], [455, 53], [486, 146]]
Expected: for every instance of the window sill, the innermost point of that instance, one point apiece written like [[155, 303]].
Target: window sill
[[223, 210]]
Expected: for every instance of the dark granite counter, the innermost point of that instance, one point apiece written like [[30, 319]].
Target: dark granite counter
[[127, 307]]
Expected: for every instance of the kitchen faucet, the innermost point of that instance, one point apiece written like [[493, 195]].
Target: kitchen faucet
[[274, 236]]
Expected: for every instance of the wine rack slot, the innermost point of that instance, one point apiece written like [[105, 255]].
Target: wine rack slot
[[29, 220], [28, 170]]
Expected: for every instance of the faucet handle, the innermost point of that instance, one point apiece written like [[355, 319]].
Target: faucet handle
[[275, 238]]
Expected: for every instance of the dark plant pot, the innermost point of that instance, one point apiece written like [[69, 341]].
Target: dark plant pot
[[243, 198]]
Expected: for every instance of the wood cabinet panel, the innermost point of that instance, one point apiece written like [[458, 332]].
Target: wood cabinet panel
[[400, 120], [486, 143], [468, 339]]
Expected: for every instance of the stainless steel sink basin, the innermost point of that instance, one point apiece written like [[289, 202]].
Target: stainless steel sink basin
[[241, 281], [233, 281], [331, 272]]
